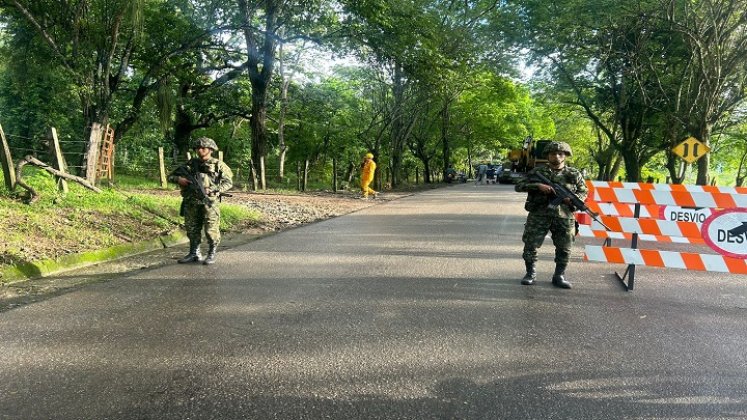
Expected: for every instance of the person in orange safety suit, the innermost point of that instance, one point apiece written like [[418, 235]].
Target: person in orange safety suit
[[367, 175]]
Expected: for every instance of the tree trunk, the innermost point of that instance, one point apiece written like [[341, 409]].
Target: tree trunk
[[33, 195], [281, 119], [281, 158], [676, 168], [615, 168], [704, 162], [426, 171], [182, 132], [334, 174], [305, 175], [258, 125], [253, 176], [397, 124], [350, 173], [742, 170], [469, 157], [261, 59], [445, 116], [632, 166]]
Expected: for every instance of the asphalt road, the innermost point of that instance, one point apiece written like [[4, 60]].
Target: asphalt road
[[410, 309]]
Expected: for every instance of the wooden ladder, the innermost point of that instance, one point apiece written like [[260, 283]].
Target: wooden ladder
[[105, 167]]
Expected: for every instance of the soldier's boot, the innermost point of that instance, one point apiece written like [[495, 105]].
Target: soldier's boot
[[531, 274], [193, 256], [210, 259], [558, 279]]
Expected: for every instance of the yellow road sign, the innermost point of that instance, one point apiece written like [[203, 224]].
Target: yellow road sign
[[691, 149]]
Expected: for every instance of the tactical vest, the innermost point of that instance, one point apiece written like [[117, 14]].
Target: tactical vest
[[538, 202], [212, 173]]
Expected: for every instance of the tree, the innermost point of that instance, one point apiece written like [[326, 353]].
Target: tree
[[31, 93], [495, 113], [423, 44], [729, 148], [715, 78], [262, 24], [595, 51], [192, 78], [114, 53], [92, 41], [396, 36]]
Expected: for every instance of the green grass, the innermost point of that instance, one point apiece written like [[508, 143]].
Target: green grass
[[125, 181], [81, 220]]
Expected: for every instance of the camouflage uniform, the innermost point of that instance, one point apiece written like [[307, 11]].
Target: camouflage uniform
[[541, 219], [199, 212]]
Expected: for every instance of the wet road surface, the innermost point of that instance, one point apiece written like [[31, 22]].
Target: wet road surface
[[406, 310]]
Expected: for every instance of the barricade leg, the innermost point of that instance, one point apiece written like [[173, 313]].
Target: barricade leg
[[630, 271]]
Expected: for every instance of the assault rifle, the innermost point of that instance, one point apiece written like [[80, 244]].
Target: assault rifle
[[561, 193], [196, 183]]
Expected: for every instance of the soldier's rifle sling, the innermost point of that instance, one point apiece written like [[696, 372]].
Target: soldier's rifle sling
[[561, 193], [198, 179], [196, 184]]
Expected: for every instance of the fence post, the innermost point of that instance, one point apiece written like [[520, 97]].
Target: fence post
[[305, 175], [57, 158], [92, 153], [162, 168], [9, 173]]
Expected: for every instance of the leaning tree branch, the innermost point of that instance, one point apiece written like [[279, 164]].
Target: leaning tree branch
[[33, 195], [47, 37]]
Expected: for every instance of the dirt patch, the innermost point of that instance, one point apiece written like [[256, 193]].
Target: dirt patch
[[281, 211]]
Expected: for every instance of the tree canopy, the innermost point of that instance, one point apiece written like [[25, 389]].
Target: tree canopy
[[425, 85]]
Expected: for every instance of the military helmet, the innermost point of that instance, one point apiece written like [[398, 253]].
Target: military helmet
[[558, 146], [205, 142]]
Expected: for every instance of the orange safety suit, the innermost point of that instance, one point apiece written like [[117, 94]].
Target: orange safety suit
[[367, 176]]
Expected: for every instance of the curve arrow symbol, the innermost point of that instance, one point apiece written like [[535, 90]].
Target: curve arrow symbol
[[739, 229]]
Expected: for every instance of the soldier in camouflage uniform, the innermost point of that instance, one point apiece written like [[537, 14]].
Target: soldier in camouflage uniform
[[541, 219], [199, 204]]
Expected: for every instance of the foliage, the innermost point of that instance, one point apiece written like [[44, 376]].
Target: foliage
[[432, 84], [91, 42], [647, 74]]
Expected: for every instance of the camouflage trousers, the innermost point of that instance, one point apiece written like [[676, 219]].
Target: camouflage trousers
[[562, 232], [198, 216]]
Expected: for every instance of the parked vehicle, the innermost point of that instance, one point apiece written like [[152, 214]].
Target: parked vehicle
[[508, 176], [453, 176]]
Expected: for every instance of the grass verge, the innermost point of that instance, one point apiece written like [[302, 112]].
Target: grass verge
[[82, 222]]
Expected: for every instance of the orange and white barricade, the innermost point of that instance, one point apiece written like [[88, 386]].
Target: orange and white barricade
[[723, 230]]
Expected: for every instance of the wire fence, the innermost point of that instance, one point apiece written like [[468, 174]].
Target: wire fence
[[144, 162]]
